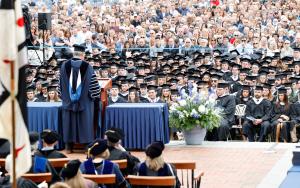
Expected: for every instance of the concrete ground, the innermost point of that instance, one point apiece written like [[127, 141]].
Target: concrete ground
[[232, 164]]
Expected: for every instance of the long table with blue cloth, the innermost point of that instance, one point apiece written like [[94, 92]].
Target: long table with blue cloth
[[45, 115], [142, 123], [48, 115]]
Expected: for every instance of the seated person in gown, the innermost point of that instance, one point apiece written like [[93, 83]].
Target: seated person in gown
[[117, 152], [40, 164], [98, 163], [155, 164], [50, 139]]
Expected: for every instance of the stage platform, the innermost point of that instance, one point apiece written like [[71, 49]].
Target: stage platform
[[232, 164]]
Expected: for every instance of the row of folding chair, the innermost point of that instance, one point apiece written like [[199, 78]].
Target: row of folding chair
[[185, 171]]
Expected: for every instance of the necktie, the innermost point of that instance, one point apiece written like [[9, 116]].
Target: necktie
[[74, 79]]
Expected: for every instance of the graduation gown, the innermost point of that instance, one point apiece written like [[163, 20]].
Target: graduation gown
[[143, 99], [236, 86], [261, 110], [104, 167], [277, 111], [41, 98], [78, 106], [157, 100], [116, 154], [258, 111], [124, 96], [166, 170], [120, 100], [50, 154], [42, 165], [227, 103], [226, 75]]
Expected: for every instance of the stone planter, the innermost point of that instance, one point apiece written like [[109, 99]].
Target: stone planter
[[195, 136]]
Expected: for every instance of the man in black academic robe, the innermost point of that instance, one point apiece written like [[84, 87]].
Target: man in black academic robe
[[114, 95], [257, 115], [143, 93], [152, 94], [78, 89], [227, 103]]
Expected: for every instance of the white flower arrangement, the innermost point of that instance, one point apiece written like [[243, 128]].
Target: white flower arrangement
[[195, 110]]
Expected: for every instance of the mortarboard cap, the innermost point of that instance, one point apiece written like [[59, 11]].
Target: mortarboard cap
[[174, 92], [79, 48], [155, 149], [297, 49], [49, 136], [97, 147], [223, 85], [165, 86], [30, 88], [251, 77], [143, 85], [115, 85], [282, 90], [151, 87], [71, 169], [246, 87], [52, 88], [259, 88]]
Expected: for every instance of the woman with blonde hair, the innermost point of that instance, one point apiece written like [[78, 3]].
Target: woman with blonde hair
[[155, 165], [97, 162], [73, 177], [166, 94], [52, 94]]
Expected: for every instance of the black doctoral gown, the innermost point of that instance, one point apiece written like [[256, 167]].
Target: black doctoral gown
[[227, 103], [278, 110], [78, 100], [50, 154], [116, 154], [258, 111]]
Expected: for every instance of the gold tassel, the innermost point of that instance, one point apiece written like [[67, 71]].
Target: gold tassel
[[89, 150]]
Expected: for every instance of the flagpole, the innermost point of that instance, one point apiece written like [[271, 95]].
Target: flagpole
[[13, 98]]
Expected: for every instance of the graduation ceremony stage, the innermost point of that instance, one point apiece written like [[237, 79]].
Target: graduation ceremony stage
[[231, 164]]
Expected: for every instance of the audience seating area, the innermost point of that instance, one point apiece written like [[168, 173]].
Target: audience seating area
[[185, 171]]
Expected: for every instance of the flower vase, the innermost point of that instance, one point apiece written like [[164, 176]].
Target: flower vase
[[194, 136]]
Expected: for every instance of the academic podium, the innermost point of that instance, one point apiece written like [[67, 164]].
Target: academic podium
[[105, 84]]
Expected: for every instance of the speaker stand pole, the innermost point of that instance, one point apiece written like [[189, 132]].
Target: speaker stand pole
[[44, 46]]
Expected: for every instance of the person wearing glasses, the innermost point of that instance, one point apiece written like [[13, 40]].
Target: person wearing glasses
[[84, 33], [244, 48]]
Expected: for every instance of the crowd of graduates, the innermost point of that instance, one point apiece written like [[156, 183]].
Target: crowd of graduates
[[155, 51]]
